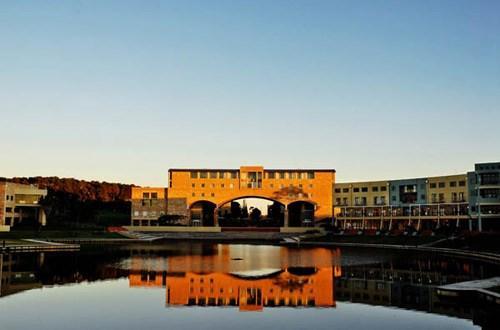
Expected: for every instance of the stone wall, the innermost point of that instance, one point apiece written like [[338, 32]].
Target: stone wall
[[178, 206]]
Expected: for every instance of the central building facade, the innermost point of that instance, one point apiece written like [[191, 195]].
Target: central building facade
[[205, 196]]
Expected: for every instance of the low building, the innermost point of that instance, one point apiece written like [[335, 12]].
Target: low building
[[19, 205], [148, 205], [418, 203]]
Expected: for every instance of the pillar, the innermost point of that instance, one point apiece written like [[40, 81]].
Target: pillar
[[42, 218], [216, 217], [286, 217]]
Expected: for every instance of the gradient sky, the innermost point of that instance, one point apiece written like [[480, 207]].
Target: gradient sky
[[124, 90]]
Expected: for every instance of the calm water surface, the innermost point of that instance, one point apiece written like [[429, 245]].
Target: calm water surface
[[217, 286]]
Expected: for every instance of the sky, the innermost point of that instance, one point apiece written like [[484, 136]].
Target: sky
[[121, 91]]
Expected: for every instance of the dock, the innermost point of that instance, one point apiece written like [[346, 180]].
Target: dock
[[486, 290], [32, 245]]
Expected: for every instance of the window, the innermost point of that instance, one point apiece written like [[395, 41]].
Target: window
[[441, 185], [453, 183], [441, 198], [154, 195], [222, 185], [310, 175], [345, 190], [203, 175], [311, 185], [203, 185], [356, 190], [344, 200], [271, 175], [337, 190], [364, 189], [282, 175], [221, 175], [213, 175], [193, 194], [432, 185], [145, 195], [300, 185], [434, 198], [234, 175], [212, 194], [212, 185], [292, 175], [8, 209], [194, 175], [202, 194], [461, 183], [337, 201], [193, 185], [271, 185], [374, 189], [383, 188]]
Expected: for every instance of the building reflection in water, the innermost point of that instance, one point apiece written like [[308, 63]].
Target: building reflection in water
[[258, 277], [233, 276]]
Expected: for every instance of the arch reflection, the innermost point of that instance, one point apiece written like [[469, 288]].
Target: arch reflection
[[231, 277]]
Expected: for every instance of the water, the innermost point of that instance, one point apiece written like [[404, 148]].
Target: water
[[217, 286]]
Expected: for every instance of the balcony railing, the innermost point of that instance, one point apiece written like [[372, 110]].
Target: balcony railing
[[423, 210]]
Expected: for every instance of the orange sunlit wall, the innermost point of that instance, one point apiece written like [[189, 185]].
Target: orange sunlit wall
[[221, 186]]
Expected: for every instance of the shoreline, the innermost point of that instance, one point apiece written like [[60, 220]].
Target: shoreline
[[71, 244]]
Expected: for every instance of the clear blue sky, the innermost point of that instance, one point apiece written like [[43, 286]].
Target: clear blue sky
[[124, 90]]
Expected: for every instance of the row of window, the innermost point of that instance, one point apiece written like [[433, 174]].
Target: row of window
[[147, 195], [362, 189], [300, 195], [9, 197], [360, 201], [380, 200], [231, 186], [268, 175], [455, 197], [214, 175], [148, 213], [433, 185]]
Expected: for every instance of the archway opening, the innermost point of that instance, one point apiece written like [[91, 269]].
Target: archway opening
[[301, 214], [251, 212], [202, 213]]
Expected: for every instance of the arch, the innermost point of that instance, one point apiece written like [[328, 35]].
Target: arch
[[201, 213], [301, 213], [235, 217], [201, 201], [271, 199]]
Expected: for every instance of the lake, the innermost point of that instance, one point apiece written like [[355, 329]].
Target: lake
[[229, 286]]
